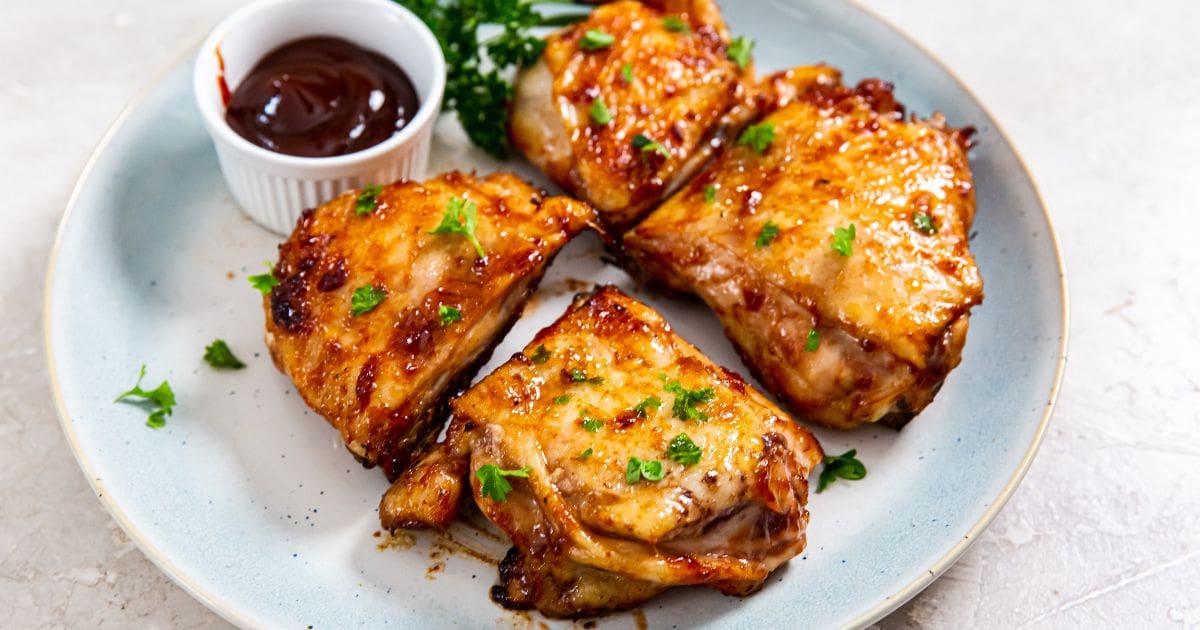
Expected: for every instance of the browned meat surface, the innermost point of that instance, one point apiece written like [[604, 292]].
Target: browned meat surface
[[608, 384], [382, 377], [669, 82], [851, 337]]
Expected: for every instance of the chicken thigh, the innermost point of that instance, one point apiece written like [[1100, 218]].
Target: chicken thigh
[[621, 462], [388, 299], [625, 105], [832, 242]]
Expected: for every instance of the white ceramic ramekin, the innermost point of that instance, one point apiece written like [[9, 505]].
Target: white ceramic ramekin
[[274, 188]]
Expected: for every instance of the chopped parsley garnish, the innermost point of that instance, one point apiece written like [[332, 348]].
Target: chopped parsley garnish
[[674, 24], [161, 397], [477, 72], [540, 355], [579, 376], [584, 455], [599, 112], [686, 400], [365, 204], [813, 341], [758, 137], [492, 482], [218, 355], [710, 193], [264, 282], [683, 450], [739, 51], [843, 239], [562, 399], [639, 469], [768, 233], [461, 217], [627, 72], [595, 39], [650, 402], [365, 299], [844, 466], [646, 145], [924, 223], [590, 422], [449, 314]]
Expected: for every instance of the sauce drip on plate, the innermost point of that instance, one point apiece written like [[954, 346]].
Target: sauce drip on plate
[[321, 97]]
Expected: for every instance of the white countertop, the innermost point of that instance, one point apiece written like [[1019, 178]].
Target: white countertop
[[1104, 106]]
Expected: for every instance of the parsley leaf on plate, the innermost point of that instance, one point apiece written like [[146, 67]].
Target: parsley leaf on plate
[[218, 355], [264, 282], [844, 466], [813, 341], [161, 397]]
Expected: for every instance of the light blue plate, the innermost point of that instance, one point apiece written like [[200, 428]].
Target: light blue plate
[[250, 502]]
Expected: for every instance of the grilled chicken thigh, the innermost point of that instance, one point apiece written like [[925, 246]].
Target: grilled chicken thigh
[[383, 306], [621, 462], [620, 123], [863, 334]]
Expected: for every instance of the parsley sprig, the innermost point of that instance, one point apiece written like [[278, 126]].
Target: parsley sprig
[[218, 355], [758, 137], [461, 217], [844, 466], [477, 83], [768, 233], [843, 240], [367, 200], [365, 299], [492, 482], [683, 450], [686, 400], [264, 282], [161, 397], [639, 469], [449, 314]]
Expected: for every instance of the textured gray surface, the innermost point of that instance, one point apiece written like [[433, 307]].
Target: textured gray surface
[[1105, 531]]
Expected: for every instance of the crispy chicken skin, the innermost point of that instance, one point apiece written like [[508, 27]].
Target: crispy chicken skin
[[681, 92], [585, 539], [382, 377], [892, 316]]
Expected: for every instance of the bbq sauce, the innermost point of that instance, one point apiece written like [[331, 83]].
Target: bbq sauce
[[320, 97]]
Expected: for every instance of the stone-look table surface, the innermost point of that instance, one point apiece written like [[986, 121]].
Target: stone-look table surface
[[1101, 98]]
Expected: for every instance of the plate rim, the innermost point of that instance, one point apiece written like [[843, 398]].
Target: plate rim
[[233, 614]]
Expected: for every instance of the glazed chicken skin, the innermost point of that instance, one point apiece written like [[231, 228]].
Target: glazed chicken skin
[[382, 375], [663, 81], [846, 337], [607, 383]]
